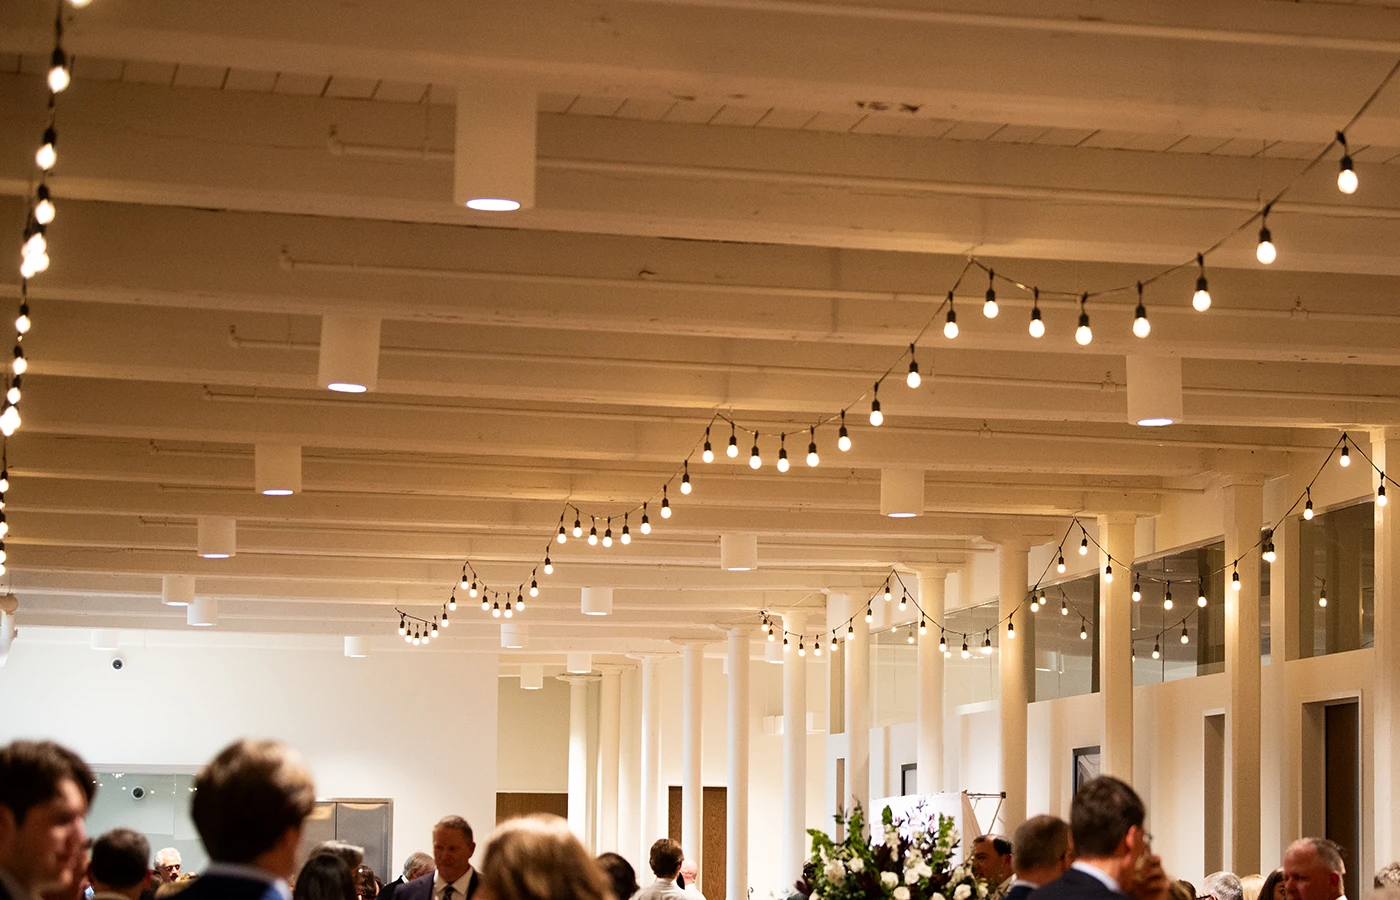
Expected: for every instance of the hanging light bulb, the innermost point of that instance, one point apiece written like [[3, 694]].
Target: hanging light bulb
[[1084, 545], [473, 591], [1201, 600], [20, 364], [763, 624], [1167, 603], [1108, 573], [562, 537], [578, 526], [850, 632], [801, 648], [913, 379], [1346, 178], [732, 450], [1157, 650], [1064, 607], [496, 609], [989, 306], [785, 642], [888, 593], [950, 325], [1037, 327], [1011, 629], [843, 440], [509, 611], [1185, 636], [626, 531], [1141, 326], [772, 635], [1035, 603], [44, 210], [1137, 591], [9, 419], [646, 524], [1344, 461], [876, 417], [869, 614], [783, 464], [549, 566], [36, 244], [966, 653], [452, 600], [13, 393], [923, 626], [593, 533], [60, 77], [835, 644], [816, 646], [519, 601], [708, 454], [987, 644], [1060, 562], [1266, 252], [665, 503], [942, 641], [485, 604], [403, 625], [1083, 334], [1380, 491], [435, 628], [1322, 596], [607, 533], [685, 478], [1269, 554], [911, 637], [1308, 508], [1201, 299], [904, 601], [1235, 578], [47, 154], [755, 460], [445, 623], [813, 460]]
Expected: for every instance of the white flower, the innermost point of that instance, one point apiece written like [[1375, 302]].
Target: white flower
[[981, 890], [938, 897], [913, 861], [835, 871], [814, 896], [889, 879], [962, 892], [901, 893], [856, 864], [926, 871], [911, 876]]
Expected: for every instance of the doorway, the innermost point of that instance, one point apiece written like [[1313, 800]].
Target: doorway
[[1331, 776], [714, 816]]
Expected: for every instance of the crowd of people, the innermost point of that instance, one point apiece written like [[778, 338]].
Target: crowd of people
[[251, 801]]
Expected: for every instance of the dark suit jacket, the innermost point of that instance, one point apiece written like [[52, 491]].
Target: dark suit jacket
[[422, 888], [1075, 885], [226, 887], [1018, 892], [387, 891]]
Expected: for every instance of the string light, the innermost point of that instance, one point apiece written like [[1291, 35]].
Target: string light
[[1185, 636], [913, 379], [578, 526], [1167, 598], [665, 503], [755, 461], [60, 77], [1137, 591], [1064, 607], [1060, 562], [942, 641], [646, 523], [950, 324], [987, 644], [1084, 545], [1201, 600], [876, 417], [593, 533], [1235, 578], [966, 653], [607, 534], [910, 638], [509, 610], [452, 601], [732, 451], [1308, 508], [904, 601], [783, 464], [1269, 554], [685, 477], [923, 626], [843, 440], [850, 632], [888, 594], [869, 614], [989, 306], [1037, 326], [1108, 573], [708, 454], [1345, 459], [44, 210], [1322, 595], [549, 566], [1380, 491], [496, 609], [785, 642], [1141, 326], [1083, 334], [1010, 629], [46, 157], [1201, 299], [473, 591], [817, 646], [1346, 178], [812, 458], [1266, 253], [485, 604], [1083, 630], [835, 644], [801, 650], [626, 531], [1157, 649], [562, 538], [1035, 603]]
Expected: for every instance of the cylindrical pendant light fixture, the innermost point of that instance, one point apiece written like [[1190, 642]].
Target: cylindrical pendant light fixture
[[773, 652], [513, 635], [218, 537], [1154, 390], [177, 590], [597, 601], [579, 664], [494, 157], [349, 360], [738, 552], [356, 646], [901, 493], [104, 639], [532, 677], [202, 613], [277, 469]]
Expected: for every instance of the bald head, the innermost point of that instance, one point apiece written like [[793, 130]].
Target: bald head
[[1312, 870]]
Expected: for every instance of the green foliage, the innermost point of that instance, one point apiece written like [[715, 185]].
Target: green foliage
[[911, 860]]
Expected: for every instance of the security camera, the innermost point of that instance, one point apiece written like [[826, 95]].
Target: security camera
[[138, 792], [117, 663]]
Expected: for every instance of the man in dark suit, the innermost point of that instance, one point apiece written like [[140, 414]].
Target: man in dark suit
[[1040, 856], [1112, 851], [416, 866], [455, 879], [45, 791], [249, 805]]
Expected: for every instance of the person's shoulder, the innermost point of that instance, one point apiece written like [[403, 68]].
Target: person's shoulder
[[1073, 883], [228, 887]]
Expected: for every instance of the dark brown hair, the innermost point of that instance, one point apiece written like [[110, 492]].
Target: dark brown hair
[[247, 797], [119, 858], [665, 858], [31, 773], [1101, 815]]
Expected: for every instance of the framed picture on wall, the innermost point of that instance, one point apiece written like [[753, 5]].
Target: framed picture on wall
[[1087, 765]]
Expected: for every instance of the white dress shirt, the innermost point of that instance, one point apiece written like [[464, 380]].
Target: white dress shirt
[[459, 887], [1108, 880], [663, 889]]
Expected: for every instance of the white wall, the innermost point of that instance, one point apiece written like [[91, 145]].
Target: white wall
[[532, 737], [405, 725]]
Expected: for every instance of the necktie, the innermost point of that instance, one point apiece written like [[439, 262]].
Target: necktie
[[448, 892]]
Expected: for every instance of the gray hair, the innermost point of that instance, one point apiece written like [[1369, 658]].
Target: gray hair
[[167, 855], [1224, 886], [1388, 876], [1329, 853], [417, 864], [350, 854]]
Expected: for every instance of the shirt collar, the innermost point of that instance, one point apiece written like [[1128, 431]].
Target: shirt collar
[[460, 885], [1106, 879], [252, 873]]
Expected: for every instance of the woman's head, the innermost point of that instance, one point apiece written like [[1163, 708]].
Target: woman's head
[[325, 877], [538, 858], [620, 872], [1273, 886]]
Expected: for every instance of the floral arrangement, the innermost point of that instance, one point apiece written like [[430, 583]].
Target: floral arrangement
[[913, 862]]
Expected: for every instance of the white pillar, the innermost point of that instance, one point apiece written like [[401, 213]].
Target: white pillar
[[857, 662], [692, 792], [1244, 517], [794, 750], [1015, 675], [1117, 533], [930, 753], [609, 748], [651, 828], [1386, 674], [629, 778], [578, 756], [737, 811]]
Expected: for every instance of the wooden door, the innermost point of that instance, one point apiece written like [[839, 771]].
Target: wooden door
[[714, 816]]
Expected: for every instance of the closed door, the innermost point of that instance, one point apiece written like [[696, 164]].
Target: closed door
[[714, 815]]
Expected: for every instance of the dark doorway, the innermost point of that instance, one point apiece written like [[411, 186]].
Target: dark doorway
[[1343, 786]]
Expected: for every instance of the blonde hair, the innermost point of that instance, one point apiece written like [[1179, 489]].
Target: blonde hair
[[538, 858], [1250, 885]]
